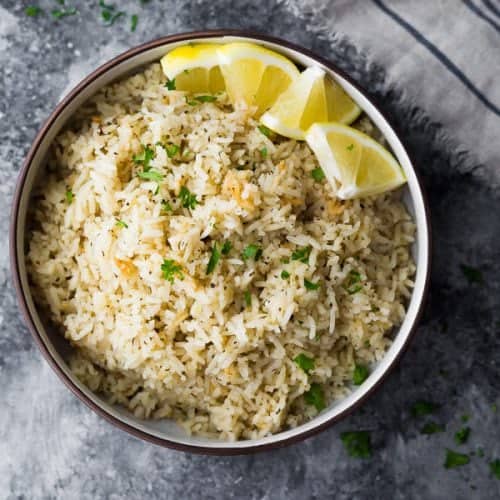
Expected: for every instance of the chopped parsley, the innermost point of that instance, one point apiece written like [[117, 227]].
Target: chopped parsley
[[206, 98], [462, 435], [302, 254], [472, 274], [170, 84], [188, 200], [464, 418], [214, 259], [264, 130], [170, 269], [350, 147], [422, 408], [171, 149], [165, 206], [121, 223], [454, 459], [133, 22], [150, 175], [353, 282], [315, 397], [310, 285], [357, 443], [69, 196], [144, 157], [263, 152], [248, 298], [317, 174], [360, 374], [60, 13], [108, 14], [285, 275], [432, 428], [285, 260], [304, 362], [226, 248], [33, 10], [495, 468], [252, 252]]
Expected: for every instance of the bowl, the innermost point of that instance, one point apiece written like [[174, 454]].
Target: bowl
[[55, 348]]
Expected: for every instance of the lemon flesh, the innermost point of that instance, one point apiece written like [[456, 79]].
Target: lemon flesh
[[311, 98], [194, 67], [253, 75], [354, 160]]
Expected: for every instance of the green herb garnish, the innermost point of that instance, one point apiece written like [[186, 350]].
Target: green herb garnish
[[495, 468], [60, 13], [462, 435], [165, 206], [248, 298], [214, 259], [170, 270], [317, 174], [350, 147], [172, 150], [205, 98], [191, 102], [454, 459], [144, 157], [33, 11], [422, 408], [304, 362], [310, 285], [315, 397], [121, 223], [302, 254], [357, 443], [432, 428], [353, 282], [285, 275], [264, 130], [133, 22], [69, 196], [263, 152], [360, 374], [188, 200], [472, 274], [151, 175], [170, 84], [252, 251], [285, 260], [464, 418], [226, 248]]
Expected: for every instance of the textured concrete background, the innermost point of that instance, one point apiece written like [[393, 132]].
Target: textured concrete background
[[51, 446]]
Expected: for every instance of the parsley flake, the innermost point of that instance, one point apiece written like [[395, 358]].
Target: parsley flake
[[69, 196], [170, 269], [121, 223], [454, 459], [214, 259], [432, 428], [133, 22], [248, 298], [302, 254], [462, 435], [252, 251], [263, 152], [150, 175], [144, 157], [171, 149], [285, 275], [495, 468], [310, 285], [60, 13], [33, 11], [206, 98], [360, 374], [264, 130], [350, 147], [188, 200], [472, 274], [315, 397], [170, 84], [357, 443], [317, 174], [353, 282], [304, 362], [226, 248], [422, 408], [165, 206]]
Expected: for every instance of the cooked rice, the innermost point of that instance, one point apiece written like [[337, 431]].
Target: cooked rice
[[194, 350]]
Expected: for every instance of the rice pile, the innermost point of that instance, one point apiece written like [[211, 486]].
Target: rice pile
[[120, 263]]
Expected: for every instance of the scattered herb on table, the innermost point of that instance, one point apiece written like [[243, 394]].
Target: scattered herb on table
[[133, 22], [69, 196], [432, 428], [310, 285], [252, 252], [33, 11], [454, 459], [60, 13], [495, 468], [170, 84], [472, 274], [360, 374], [305, 362], [214, 259], [317, 174], [315, 397], [226, 248], [121, 223], [188, 199], [353, 282], [170, 269], [464, 418], [422, 408], [285, 275], [248, 298], [357, 443], [302, 254], [462, 435]]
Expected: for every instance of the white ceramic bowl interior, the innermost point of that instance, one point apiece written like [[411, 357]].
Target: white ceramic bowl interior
[[167, 430]]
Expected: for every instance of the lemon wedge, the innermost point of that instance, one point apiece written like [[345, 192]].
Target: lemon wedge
[[254, 75], [311, 98], [354, 160], [195, 68]]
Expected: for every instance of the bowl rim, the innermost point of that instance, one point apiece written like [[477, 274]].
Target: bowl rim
[[21, 299]]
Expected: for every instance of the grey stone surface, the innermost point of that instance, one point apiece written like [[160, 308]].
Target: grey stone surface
[[52, 446]]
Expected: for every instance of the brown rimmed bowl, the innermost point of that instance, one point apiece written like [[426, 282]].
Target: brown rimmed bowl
[[55, 348]]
